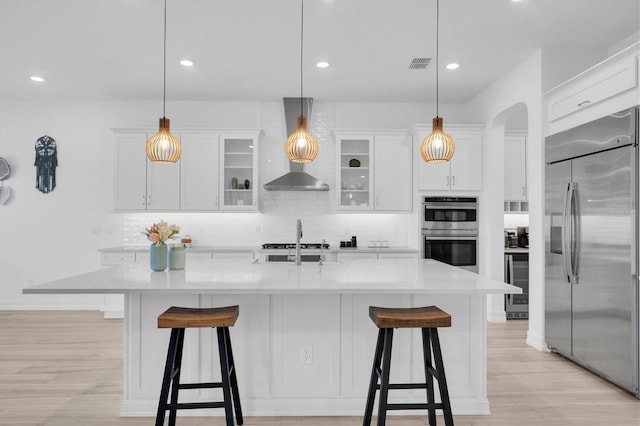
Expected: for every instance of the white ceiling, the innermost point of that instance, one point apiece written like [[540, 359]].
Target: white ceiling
[[250, 49]]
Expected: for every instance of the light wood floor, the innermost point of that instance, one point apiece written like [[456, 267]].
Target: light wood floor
[[65, 368]]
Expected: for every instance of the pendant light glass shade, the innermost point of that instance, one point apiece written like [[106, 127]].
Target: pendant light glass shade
[[301, 146], [163, 147], [438, 147]]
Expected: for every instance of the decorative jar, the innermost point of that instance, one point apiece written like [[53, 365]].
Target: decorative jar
[[158, 257]]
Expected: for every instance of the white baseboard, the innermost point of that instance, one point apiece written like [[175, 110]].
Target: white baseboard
[[274, 407], [497, 316], [536, 341], [21, 305]]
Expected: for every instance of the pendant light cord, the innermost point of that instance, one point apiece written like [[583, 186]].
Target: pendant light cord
[[437, 45], [301, 50], [164, 60]]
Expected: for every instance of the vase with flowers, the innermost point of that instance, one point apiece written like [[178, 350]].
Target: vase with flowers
[[158, 234]]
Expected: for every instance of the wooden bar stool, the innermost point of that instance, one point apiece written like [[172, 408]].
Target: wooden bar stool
[[177, 319], [428, 319]]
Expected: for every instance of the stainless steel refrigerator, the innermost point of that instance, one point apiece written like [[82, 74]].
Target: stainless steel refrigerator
[[591, 247]]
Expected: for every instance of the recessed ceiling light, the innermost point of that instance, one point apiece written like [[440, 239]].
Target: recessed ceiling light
[[452, 66], [516, 1], [186, 63], [322, 64], [36, 78]]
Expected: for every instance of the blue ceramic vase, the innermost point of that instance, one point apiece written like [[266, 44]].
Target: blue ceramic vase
[[158, 257]]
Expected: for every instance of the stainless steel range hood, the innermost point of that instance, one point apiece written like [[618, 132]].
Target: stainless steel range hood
[[296, 179]]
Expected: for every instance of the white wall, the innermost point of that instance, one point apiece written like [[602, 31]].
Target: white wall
[[49, 236], [521, 85]]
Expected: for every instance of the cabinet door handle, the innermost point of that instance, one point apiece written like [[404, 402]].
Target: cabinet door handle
[[583, 104], [148, 200], [453, 180], [143, 199], [217, 200], [448, 178], [523, 191], [377, 201]]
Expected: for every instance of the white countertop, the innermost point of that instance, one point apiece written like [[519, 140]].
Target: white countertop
[[382, 276], [193, 249], [259, 249]]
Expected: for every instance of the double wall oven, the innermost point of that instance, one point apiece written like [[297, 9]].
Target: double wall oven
[[450, 230]]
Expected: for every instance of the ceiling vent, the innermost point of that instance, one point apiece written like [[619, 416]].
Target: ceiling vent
[[419, 63]]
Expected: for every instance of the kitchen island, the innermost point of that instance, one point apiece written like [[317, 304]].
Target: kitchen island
[[287, 310]]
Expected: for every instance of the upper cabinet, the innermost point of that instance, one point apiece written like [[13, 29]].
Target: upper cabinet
[[141, 184], [374, 171], [463, 172], [606, 88], [199, 172], [217, 171], [515, 173], [239, 171]]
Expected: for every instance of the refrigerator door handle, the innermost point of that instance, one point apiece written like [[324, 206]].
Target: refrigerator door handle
[[566, 255], [575, 231]]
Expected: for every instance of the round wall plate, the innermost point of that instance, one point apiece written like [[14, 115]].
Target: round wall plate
[[5, 170], [5, 193]]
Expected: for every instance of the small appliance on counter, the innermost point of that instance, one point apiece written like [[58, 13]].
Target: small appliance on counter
[[510, 238], [523, 236]]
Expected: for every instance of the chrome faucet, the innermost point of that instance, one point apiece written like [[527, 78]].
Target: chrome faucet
[[298, 236]]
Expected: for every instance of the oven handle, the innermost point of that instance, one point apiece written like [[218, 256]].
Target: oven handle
[[450, 206], [450, 237]]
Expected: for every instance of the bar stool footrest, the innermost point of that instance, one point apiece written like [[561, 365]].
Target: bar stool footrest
[[415, 406], [405, 386], [200, 385], [194, 405]]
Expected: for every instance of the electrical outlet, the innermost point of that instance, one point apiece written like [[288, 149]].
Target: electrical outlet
[[306, 355]]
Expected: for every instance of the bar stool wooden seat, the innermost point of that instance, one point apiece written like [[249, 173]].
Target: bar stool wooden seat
[[177, 319], [428, 319]]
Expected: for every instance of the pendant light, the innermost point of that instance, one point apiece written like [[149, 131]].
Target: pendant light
[[301, 146], [163, 147], [438, 147]]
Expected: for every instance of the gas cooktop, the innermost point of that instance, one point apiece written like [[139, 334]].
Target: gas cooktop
[[286, 246]]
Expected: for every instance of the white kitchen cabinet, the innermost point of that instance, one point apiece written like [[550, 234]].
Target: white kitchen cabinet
[[200, 172], [393, 174], [217, 171], [240, 171], [140, 183], [463, 172], [354, 171], [515, 172], [375, 254], [374, 171], [606, 88]]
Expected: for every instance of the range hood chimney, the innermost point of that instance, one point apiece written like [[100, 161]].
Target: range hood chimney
[[296, 179]]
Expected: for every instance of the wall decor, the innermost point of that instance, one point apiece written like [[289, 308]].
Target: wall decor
[[46, 163], [5, 171]]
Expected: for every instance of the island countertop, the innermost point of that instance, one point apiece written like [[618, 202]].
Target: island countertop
[[382, 276]]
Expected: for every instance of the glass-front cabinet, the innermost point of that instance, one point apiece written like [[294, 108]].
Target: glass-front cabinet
[[374, 170], [355, 171], [218, 171], [239, 172]]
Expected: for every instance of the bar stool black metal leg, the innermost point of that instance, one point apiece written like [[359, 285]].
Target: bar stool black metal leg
[[384, 380], [235, 392], [426, 350], [373, 383], [442, 380], [175, 383], [224, 369], [166, 379]]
